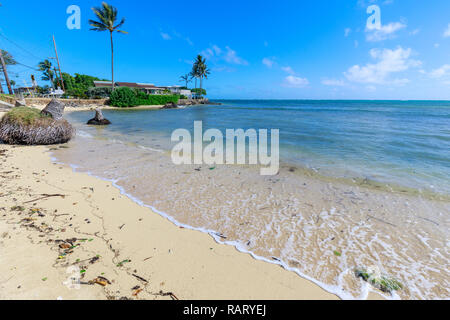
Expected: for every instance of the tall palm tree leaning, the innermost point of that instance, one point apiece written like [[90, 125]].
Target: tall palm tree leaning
[[107, 17]]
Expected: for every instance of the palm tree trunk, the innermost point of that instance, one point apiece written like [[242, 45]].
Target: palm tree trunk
[[112, 60], [201, 87]]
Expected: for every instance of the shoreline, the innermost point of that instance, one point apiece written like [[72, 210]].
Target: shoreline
[[226, 273]]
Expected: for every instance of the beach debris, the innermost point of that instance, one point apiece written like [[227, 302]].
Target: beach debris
[[18, 208], [99, 119], [220, 235], [378, 280], [44, 279], [102, 281], [46, 196], [167, 294], [137, 291], [337, 253], [139, 278], [120, 264], [54, 109]]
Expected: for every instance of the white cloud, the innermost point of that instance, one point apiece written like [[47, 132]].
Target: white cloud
[[441, 72], [228, 55], [333, 82], [414, 32], [385, 32], [268, 62], [437, 45], [288, 69], [232, 57], [295, 82], [388, 62], [347, 32], [447, 31], [165, 36]]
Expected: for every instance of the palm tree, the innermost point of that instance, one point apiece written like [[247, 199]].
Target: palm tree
[[201, 70], [47, 72], [107, 17], [186, 79]]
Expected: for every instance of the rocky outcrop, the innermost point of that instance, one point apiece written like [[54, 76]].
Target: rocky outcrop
[[99, 119], [55, 109], [170, 105]]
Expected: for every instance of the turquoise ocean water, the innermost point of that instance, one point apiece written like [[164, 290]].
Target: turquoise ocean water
[[404, 143]]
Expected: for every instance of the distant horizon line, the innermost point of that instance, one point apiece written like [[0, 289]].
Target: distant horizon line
[[404, 100]]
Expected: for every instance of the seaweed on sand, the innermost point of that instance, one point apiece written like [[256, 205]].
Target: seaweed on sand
[[380, 281]]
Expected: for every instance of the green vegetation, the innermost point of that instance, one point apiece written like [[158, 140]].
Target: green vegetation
[[382, 282], [99, 93], [107, 17], [25, 115], [200, 71], [47, 71], [125, 97], [199, 91], [79, 85], [186, 79]]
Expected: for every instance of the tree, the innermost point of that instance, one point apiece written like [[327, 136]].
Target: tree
[[200, 70], [107, 17], [47, 72], [186, 79], [9, 60]]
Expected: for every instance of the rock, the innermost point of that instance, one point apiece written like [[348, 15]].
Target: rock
[[170, 105], [99, 119], [21, 103], [55, 109]]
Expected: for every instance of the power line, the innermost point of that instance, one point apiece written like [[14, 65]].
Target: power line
[[18, 46]]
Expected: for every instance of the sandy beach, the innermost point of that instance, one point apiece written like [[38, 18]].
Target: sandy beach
[[54, 221]]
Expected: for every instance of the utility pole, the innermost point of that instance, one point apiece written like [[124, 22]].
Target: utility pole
[[59, 66], [6, 72]]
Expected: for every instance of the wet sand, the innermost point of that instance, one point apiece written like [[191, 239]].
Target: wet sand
[[52, 219]]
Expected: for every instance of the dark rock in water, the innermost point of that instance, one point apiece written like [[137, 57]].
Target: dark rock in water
[[55, 109], [170, 105], [99, 119], [21, 103]]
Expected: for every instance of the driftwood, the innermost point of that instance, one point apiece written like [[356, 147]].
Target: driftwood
[[46, 196], [99, 119], [55, 109]]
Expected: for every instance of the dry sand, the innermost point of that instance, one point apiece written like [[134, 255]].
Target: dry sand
[[136, 250]]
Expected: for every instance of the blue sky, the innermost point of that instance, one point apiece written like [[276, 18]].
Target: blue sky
[[255, 49]]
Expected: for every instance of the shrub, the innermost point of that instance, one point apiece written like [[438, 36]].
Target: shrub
[[27, 126], [123, 97], [158, 100], [126, 97], [199, 91], [99, 93]]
